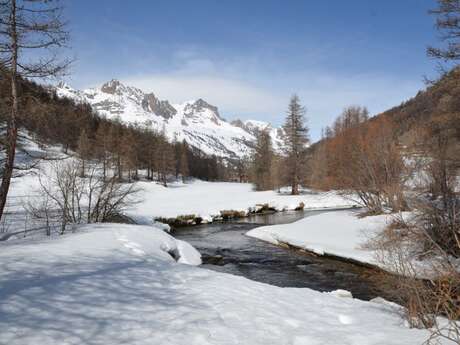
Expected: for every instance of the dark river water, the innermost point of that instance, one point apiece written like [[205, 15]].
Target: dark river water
[[225, 248]]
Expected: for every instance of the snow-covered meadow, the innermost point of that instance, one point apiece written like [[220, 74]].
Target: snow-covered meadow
[[119, 284], [207, 199]]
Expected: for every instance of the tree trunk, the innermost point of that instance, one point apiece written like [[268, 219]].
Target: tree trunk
[[12, 131]]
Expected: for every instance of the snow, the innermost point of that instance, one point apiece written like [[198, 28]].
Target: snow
[[188, 254], [341, 293], [119, 284], [207, 199], [339, 233]]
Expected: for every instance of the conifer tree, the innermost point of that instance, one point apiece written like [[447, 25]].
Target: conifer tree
[[295, 140]]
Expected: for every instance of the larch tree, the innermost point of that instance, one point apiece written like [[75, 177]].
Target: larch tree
[[448, 24], [295, 143], [184, 168], [26, 27], [165, 158], [262, 161], [83, 150], [102, 147]]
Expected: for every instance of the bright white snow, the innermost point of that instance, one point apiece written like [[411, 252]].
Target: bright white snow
[[339, 233], [117, 284]]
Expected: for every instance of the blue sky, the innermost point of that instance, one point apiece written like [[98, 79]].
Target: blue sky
[[248, 57]]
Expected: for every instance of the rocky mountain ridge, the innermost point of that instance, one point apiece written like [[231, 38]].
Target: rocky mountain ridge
[[197, 122]]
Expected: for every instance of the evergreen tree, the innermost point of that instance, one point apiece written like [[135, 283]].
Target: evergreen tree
[[295, 141]]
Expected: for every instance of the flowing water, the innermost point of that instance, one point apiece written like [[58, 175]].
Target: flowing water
[[225, 248]]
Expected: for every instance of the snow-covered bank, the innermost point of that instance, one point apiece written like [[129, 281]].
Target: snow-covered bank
[[118, 284], [207, 199], [339, 233]]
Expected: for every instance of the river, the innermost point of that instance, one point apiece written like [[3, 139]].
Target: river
[[225, 248]]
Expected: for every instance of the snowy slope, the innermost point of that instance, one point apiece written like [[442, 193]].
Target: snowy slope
[[197, 122], [117, 284]]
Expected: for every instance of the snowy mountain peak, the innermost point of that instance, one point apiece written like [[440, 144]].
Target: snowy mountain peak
[[201, 110], [197, 122], [201, 105], [112, 87]]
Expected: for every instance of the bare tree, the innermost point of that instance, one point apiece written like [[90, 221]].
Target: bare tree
[[295, 141], [83, 150], [24, 26], [448, 24], [262, 161], [364, 159], [183, 167], [73, 199], [164, 158]]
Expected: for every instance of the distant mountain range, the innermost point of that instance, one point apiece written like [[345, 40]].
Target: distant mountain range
[[197, 122]]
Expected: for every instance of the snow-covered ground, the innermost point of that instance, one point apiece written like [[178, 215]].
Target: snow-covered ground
[[117, 284], [207, 199], [135, 284], [339, 233]]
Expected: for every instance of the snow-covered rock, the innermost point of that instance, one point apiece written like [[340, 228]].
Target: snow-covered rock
[[197, 122], [342, 293]]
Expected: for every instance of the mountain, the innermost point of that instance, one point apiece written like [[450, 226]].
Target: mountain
[[255, 126], [440, 101], [197, 122]]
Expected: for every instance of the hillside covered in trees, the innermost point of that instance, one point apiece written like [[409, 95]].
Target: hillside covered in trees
[[128, 148], [440, 102]]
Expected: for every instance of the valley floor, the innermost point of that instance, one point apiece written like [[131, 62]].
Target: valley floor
[[135, 284], [207, 199]]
